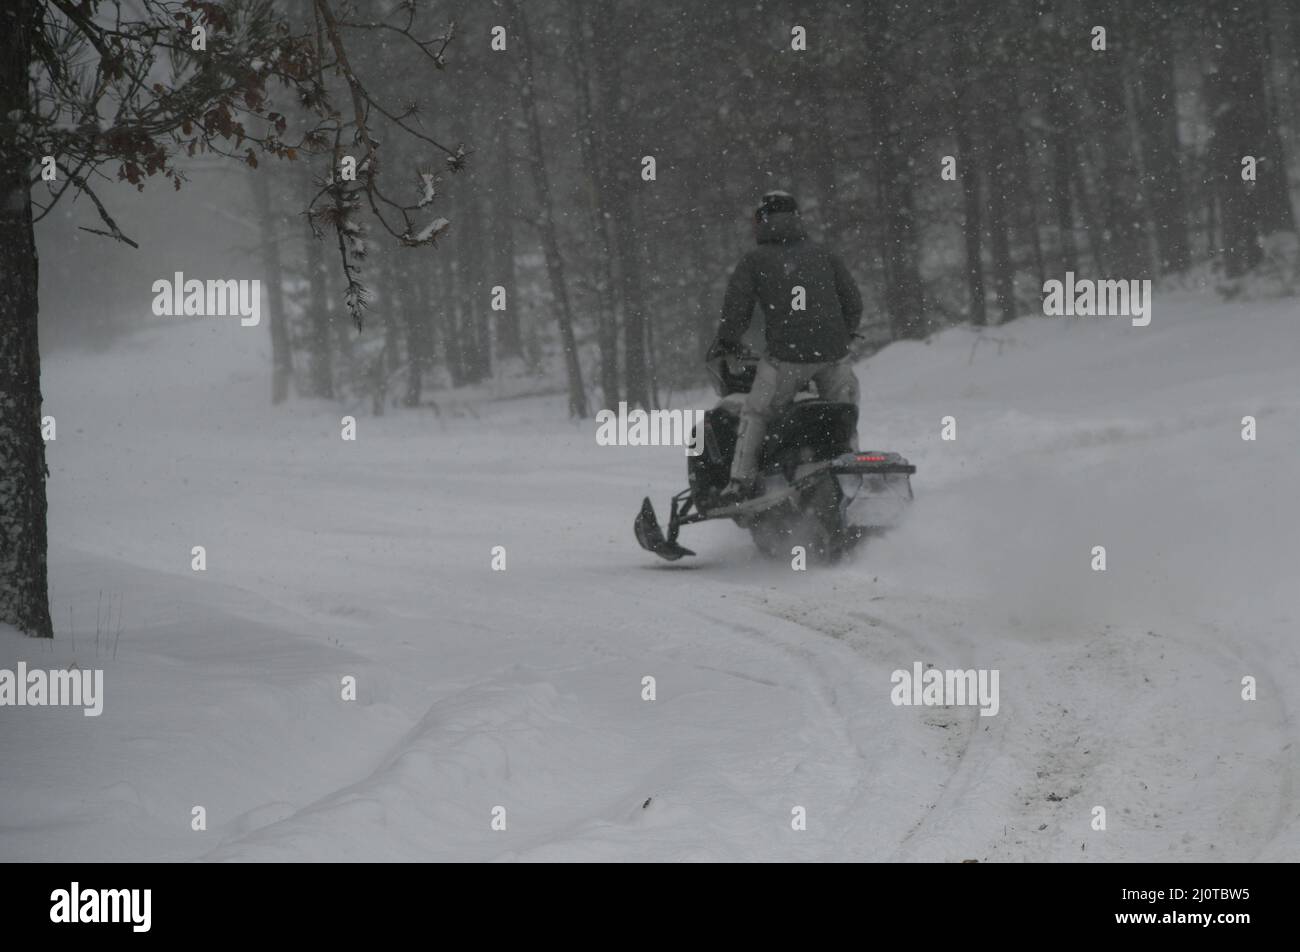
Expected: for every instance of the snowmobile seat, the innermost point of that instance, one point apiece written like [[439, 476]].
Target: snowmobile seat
[[826, 429]]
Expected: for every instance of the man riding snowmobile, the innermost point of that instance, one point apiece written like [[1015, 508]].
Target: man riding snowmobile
[[811, 308], [779, 463]]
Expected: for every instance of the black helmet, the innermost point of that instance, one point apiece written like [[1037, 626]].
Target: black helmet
[[774, 203]]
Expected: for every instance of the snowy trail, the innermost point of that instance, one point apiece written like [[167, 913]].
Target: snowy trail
[[522, 688]]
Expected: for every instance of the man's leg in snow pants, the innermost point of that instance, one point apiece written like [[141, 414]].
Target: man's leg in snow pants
[[837, 382], [775, 385]]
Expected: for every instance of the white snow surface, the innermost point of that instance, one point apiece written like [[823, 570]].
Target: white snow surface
[[522, 689]]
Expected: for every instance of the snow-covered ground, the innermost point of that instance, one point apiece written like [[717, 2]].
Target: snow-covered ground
[[522, 688]]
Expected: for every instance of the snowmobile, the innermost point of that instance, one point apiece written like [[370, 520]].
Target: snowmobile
[[816, 490]]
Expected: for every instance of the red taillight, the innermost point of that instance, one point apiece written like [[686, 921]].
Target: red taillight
[[871, 459]]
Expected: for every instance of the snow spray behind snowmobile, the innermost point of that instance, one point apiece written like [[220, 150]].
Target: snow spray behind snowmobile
[[817, 490]]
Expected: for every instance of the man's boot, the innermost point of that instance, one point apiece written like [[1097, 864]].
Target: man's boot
[[738, 491]]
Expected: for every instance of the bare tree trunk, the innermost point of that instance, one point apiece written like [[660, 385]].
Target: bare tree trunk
[[652, 373], [1098, 251], [269, 224], [419, 340], [319, 345], [1277, 212], [1123, 208], [996, 158], [1004, 271], [809, 75], [448, 306], [1158, 123], [705, 320], [823, 158], [592, 142], [24, 581], [504, 210], [319, 317], [1243, 127], [904, 294], [619, 185], [393, 324], [1028, 206], [390, 356], [968, 170], [475, 293], [1294, 13], [636, 368], [550, 240], [1213, 227], [1059, 105]]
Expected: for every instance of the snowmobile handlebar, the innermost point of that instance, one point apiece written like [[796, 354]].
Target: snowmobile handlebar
[[732, 372]]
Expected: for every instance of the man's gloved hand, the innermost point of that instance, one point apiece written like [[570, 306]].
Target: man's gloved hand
[[722, 348]]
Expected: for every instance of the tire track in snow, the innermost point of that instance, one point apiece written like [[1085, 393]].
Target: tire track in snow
[[868, 818], [1285, 822], [961, 771]]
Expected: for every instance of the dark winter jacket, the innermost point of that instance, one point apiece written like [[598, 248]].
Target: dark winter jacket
[[768, 275]]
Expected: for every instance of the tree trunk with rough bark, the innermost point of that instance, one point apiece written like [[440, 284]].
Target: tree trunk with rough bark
[[24, 576], [968, 172], [269, 225], [550, 238]]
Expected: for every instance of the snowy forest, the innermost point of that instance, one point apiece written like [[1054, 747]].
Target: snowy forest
[[351, 572], [1068, 157]]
